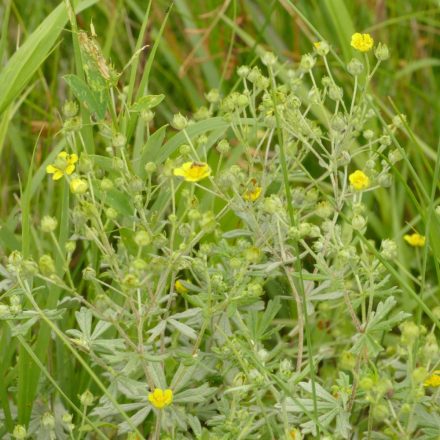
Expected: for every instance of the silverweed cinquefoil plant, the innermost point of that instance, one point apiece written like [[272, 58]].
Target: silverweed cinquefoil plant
[[223, 277]]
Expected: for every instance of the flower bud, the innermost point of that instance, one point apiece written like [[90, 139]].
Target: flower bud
[[48, 420], [358, 222], [142, 238], [48, 224], [381, 52], [147, 115], [213, 96], [78, 186], [87, 398], [119, 140], [46, 265], [243, 71], [89, 273], [389, 249], [70, 109], [410, 333], [355, 67], [179, 122], [150, 167], [307, 62], [335, 92], [268, 59], [19, 432], [322, 48]]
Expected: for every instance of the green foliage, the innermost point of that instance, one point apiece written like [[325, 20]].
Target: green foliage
[[236, 232]]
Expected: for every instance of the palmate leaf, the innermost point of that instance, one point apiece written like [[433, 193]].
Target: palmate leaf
[[378, 323]]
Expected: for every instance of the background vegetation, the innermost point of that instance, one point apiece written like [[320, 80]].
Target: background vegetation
[[195, 46]]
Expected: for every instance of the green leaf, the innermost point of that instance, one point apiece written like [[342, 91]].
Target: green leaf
[[20, 69], [95, 101], [147, 102]]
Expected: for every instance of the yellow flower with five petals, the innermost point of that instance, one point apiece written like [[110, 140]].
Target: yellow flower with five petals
[[193, 171], [362, 42], [160, 398], [64, 165], [359, 180]]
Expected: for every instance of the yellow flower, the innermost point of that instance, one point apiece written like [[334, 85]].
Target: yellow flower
[[359, 180], [78, 186], [64, 164], [193, 171], [362, 42], [160, 398], [433, 380], [317, 44], [180, 288], [252, 194], [415, 239]]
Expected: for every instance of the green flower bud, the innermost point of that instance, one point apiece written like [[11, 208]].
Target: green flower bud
[[253, 254], [106, 184], [347, 361], [202, 113], [389, 249], [335, 92], [213, 96], [179, 122], [394, 156], [324, 209], [366, 383], [48, 420], [223, 147], [147, 115], [86, 398], [19, 432], [89, 273], [142, 238], [119, 140], [322, 48], [268, 59], [70, 109], [150, 167], [48, 224], [410, 333], [307, 62], [380, 412], [358, 222], [243, 71], [381, 52], [355, 67], [46, 265], [111, 213], [419, 375]]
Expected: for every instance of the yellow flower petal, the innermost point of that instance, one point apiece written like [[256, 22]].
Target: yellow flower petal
[[50, 169], [180, 288], [69, 169], [63, 155], [73, 158], [57, 175]]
